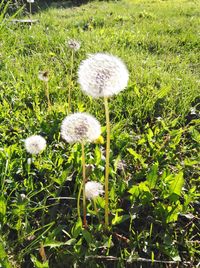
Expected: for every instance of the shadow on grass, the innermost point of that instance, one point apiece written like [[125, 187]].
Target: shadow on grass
[[40, 5]]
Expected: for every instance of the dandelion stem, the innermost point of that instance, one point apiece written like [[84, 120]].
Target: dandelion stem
[[30, 9], [84, 181], [47, 95], [70, 82], [95, 208], [78, 200], [107, 159]]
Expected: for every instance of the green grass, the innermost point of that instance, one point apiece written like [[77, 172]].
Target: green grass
[[154, 201]]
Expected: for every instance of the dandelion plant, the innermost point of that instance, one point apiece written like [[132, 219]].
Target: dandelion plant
[[81, 128], [103, 75], [44, 76]]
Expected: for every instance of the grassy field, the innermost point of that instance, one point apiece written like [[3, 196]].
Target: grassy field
[[154, 178]]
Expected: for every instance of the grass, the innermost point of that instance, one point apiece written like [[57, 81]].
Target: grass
[[154, 196]]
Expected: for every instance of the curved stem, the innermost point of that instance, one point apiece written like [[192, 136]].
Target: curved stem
[[107, 159], [84, 181], [70, 82]]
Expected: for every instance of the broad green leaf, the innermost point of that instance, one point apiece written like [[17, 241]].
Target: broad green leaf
[[196, 135], [143, 187], [134, 191], [2, 251], [177, 184], [152, 177], [137, 157], [120, 219], [190, 162], [77, 228], [2, 206], [87, 236], [38, 264]]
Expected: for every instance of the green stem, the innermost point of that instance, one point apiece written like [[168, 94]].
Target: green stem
[[107, 159], [47, 95], [70, 82], [84, 181], [30, 9], [95, 208], [78, 200]]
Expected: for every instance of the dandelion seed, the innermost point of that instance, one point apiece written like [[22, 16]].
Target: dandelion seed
[[43, 76], [35, 144], [193, 110], [159, 118], [93, 189], [102, 75], [74, 44], [80, 127], [23, 196]]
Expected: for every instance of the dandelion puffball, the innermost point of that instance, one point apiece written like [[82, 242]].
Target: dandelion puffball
[[43, 76], [73, 44], [35, 144], [102, 75], [93, 189], [30, 1], [80, 127]]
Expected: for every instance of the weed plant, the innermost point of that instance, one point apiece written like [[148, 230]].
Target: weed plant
[[154, 150]]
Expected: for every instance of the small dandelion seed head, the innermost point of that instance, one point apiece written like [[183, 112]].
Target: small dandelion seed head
[[35, 144], [93, 189], [80, 127], [193, 110], [74, 44], [30, 1], [43, 76], [102, 75]]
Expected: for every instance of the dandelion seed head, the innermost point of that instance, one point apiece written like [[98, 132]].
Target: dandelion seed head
[[30, 1], [74, 44], [102, 75], [80, 127], [43, 76], [93, 189], [35, 144], [193, 110]]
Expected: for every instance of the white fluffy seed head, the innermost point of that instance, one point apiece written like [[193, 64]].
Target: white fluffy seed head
[[80, 127], [102, 75], [35, 144], [74, 44], [93, 189], [43, 76]]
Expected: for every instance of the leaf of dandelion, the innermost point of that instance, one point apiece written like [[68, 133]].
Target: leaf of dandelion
[[177, 184], [39, 264], [87, 236], [2, 252], [120, 219], [137, 157], [153, 176], [2, 206], [77, 228]]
